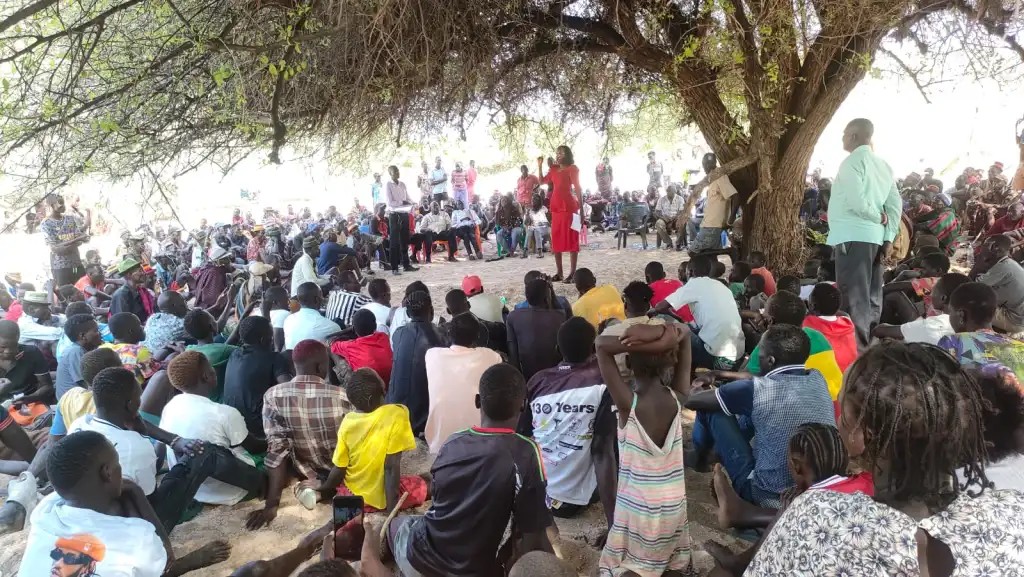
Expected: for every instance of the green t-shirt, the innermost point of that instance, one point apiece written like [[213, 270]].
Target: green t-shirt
[[218, 355]]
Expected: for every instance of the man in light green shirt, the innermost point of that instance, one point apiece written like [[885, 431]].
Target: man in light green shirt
[[864, 217]]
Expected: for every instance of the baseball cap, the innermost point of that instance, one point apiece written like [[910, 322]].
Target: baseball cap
[[472, 285]]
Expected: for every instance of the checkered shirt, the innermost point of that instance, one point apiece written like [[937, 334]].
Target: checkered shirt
[[301, 419]]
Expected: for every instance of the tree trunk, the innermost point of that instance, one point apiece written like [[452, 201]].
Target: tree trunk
[[777, 230]]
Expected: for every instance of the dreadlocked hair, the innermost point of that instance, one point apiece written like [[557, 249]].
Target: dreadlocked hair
[[922, 415], [822, 448]]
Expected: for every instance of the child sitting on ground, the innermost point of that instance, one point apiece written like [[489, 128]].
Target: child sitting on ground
[[823, 316], [649, 535], [974, 343], [755, 292], [757, 263], [909, 296], [790, 283], [818, 460], [368, 456], [740, 271], [928, 329]]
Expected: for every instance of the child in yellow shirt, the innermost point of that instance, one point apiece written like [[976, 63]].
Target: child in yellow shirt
[[371, 440]]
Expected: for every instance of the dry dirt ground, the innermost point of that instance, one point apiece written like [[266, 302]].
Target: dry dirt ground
[[505, 277]]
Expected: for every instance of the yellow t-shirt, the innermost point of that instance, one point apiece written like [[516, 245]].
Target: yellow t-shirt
[[76, 403], [600, 304], [364, 441]]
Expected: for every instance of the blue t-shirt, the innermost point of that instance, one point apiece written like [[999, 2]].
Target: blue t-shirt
[[69, 369], [777, 403], [330, 254]]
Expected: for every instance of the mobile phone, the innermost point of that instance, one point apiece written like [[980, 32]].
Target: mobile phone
[[345, 509]]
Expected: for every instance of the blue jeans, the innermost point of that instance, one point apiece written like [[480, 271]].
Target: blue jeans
[[509, 239], [731, 438], [700, 357]]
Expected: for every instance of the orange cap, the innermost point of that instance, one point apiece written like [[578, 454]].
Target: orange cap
[[84, 544]]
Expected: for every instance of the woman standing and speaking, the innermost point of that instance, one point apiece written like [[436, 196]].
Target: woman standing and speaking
[[566, 198]]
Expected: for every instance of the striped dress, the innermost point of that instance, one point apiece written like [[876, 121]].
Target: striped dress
[[649, 534]]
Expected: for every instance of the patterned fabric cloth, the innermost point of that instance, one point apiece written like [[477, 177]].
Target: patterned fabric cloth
[[252, 250], [301, 419], [341, 305], [211, 280], [923, 288], [650, 533], [944, 224], [135, 358], [162, 329], [832, 533], [57, 231], [992, 353]]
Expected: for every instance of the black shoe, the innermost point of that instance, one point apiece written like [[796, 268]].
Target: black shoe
[[410, 268]]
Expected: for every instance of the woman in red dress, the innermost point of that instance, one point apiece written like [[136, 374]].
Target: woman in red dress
[[566, 200]]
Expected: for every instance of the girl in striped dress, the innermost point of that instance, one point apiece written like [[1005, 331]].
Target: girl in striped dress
[[649, 536]]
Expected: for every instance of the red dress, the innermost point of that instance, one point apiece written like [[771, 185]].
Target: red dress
[[563, 206]]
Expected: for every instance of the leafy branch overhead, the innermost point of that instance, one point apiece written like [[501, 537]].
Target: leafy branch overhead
[[115, 88]]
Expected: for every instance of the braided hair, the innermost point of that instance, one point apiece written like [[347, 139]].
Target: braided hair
[[822, 448], [365, 389], [922, 416]]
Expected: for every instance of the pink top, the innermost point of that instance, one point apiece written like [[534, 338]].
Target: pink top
[[453, 380]]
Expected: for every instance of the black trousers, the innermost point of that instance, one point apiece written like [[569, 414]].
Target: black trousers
[[66, 276], [468, 236], [429, 237], [398, 229], [178, 487]]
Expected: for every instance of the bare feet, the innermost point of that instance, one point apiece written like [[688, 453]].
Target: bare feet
[[728, 500], [724, 558], [209, 554]]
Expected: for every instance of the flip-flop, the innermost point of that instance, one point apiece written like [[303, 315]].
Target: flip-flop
[[556, 278]]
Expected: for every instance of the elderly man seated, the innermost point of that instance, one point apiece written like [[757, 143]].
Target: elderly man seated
[[669, 218]]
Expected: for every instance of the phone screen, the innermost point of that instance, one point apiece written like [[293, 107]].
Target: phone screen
[[346, 509]]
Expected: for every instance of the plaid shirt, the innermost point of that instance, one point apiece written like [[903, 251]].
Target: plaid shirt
[[301, 419]]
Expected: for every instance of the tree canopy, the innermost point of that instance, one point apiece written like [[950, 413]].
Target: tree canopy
[[116, 88]]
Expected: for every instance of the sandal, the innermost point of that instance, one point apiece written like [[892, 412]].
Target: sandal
[[556, 278], [568, 279]]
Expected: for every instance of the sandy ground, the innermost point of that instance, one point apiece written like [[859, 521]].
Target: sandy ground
[[505, 277]]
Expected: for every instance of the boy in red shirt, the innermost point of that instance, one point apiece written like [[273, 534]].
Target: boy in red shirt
[[370, 348]]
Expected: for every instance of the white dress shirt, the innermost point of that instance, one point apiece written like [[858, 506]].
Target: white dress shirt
[[307, 324], [304, 272]]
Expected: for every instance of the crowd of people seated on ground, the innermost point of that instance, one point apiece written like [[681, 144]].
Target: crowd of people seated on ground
[[134, 402]]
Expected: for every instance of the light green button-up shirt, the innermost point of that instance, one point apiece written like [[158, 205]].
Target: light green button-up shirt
[[863, 189]]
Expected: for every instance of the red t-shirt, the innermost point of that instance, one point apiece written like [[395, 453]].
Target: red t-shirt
[[769, 279], [373, 351], [664, 287], [862, 482], [14, 313]]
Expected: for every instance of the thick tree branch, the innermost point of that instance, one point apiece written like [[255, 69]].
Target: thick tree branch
[[25, 12], [725, 169]]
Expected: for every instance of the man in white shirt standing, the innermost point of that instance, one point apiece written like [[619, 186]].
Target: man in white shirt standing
[[399, 205], [716, 209], [439, 180], [307, 322], [305, 267], [718, 341], [670, 217], [453, 379]]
